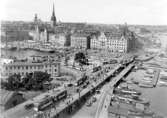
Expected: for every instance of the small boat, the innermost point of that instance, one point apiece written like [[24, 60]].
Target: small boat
[[144, 85], [136, 100], [13, 48], [52, 51], [127, 91], [144, 113]]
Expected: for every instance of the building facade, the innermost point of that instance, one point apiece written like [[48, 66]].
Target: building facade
[[98, 41], [80, 40], [23, 68], [116, 42], [58, 40]]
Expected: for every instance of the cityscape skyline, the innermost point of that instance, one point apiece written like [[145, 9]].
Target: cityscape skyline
[[105, 12]]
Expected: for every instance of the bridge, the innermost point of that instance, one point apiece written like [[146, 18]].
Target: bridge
[[105, 101], [68, 105]]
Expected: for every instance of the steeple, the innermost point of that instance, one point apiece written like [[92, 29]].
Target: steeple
[[35, 18], [53, 18]]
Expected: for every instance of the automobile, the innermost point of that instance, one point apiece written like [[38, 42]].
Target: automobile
[[70, 85], [29, 106], [94, 99], [98, 91], [89, 103]]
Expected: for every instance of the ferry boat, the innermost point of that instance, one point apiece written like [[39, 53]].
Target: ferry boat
[[127, 91], [144, 85], [137, 100], [144, 113]]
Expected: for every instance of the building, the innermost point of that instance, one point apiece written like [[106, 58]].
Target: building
[[121, 40], [58, 40], [10, 99], [80, 40], [116, 42], [98, 41], [25, 67]]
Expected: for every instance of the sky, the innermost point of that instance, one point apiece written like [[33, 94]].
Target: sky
[[145, 12]]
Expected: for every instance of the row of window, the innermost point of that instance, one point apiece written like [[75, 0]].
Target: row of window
[[25, 73], [28, 67]]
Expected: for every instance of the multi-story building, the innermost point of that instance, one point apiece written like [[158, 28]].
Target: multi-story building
[[116, 42], [80, 40], [58, 39], [23, 68], [98, 41], [121, 40]]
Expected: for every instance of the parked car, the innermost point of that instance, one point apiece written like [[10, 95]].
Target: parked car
[[94, 99], [29, 106]]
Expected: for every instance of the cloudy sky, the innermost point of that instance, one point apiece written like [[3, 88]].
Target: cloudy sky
[[151, 12]]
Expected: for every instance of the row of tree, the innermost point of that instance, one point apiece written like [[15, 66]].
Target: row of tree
[[32, 81]]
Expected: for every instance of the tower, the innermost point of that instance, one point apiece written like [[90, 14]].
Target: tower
[[35, 18], [53, 18]]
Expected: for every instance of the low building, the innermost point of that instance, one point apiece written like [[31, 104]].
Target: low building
[[23, 68]]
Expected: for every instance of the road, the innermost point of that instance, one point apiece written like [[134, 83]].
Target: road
[[102, 111]]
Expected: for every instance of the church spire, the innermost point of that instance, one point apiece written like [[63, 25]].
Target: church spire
[[53, 12], [53, 17]]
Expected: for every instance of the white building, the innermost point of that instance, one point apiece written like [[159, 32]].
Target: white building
[[57, 39], [117, 42], [98, 41], [113, 41], [23, 68], [80, 40]]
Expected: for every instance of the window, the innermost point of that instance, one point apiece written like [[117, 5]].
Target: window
[[34, 67], [22, 67], [18, 67], [27, 67], [6, 68], [55, 70], [10, 67]]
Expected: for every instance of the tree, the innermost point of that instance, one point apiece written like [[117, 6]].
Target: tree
[[80, 57], [13, 81], [30, 81]]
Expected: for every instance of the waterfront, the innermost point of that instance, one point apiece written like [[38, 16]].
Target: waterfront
[[23, 53], [157, 95]]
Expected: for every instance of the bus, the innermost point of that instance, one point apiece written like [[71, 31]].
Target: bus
[[95, 69], [51, 100], [81, 81], [45, 103]]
